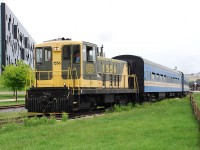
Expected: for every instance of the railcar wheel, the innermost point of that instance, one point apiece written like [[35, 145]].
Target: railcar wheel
[[123, 100]]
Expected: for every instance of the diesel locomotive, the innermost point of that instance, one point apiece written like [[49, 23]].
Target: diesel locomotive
[[73, 75]]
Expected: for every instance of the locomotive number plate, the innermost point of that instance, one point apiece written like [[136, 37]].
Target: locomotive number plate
[[57, 63]]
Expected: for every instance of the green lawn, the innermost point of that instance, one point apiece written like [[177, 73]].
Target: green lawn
[[20, 99], [10, 96], [12, 103], [8, 115], [165, 125], [197, 98]]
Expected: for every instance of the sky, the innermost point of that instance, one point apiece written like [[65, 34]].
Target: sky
[[163, 31]]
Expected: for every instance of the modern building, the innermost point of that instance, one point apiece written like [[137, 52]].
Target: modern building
[[15, 42]]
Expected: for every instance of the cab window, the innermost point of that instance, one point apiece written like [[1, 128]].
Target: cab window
[[66, 52], [39, 55], [76, 53], [71, 51], [47, 53], [90, 53]]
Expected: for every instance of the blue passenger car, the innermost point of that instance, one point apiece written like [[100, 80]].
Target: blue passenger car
[[154, 80]]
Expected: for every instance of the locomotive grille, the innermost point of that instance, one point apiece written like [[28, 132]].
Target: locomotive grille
[[48, 100], [57, 106]]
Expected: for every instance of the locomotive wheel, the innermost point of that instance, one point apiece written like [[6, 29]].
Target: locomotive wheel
[[123, 100]]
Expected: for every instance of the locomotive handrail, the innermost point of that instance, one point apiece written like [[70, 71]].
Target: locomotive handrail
[[68, 73], [135, 86], [72, 74]]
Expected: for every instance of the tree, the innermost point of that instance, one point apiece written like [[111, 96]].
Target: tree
[[16, 77]]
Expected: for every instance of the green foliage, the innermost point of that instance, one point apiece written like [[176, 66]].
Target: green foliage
[[35, 121], [64, 116], [16, 77], [196, 97], [120, 108]]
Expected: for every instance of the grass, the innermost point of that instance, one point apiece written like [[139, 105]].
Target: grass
[[13, 114], [3, 89], [168, 124], [12, 103], [197, 98], [10, 96]]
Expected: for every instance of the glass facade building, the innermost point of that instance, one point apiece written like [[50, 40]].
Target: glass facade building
[[15, 42]]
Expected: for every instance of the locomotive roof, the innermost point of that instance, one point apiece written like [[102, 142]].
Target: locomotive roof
[[68, 40]]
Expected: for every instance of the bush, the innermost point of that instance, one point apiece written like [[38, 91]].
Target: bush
[[35, 121], [120, 108], [64, 117]]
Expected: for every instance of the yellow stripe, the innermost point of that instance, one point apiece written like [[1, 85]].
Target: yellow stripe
[[161, 84]]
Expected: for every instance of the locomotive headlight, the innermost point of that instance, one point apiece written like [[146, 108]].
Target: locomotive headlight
[[64, 84]]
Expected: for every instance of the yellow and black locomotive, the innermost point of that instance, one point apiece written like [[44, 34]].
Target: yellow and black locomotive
[[73, 75]]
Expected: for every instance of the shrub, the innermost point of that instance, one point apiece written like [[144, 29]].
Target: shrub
[[35, 121], [64, 116]]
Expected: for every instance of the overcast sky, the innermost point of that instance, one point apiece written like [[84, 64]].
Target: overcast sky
[[163, 31]]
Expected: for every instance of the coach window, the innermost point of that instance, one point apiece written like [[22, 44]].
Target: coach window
[[146, 75], [38, 55], [161, 77], [153, 76], [164, 78], [47, 54], [157, 77]]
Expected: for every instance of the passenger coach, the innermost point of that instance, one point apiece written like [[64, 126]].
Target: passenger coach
[[156, 81]]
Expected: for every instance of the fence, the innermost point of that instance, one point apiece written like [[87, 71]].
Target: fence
[[196, 109]]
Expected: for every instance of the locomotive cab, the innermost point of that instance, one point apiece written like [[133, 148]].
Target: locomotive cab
[[60, 64]]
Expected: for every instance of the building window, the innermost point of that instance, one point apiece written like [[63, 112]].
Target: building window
[[22, 53]]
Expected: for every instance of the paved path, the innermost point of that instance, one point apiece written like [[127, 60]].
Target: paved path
[[13, 99], [10, 100], [20, 92]]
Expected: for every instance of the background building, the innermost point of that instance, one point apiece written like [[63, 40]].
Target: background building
[[15, 42]]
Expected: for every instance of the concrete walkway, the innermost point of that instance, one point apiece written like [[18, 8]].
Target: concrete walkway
[[10, 92], [10, 100]]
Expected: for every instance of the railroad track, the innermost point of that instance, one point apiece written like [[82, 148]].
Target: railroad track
[[75, 115], [11, 120], [12, 106], [85, 114]]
